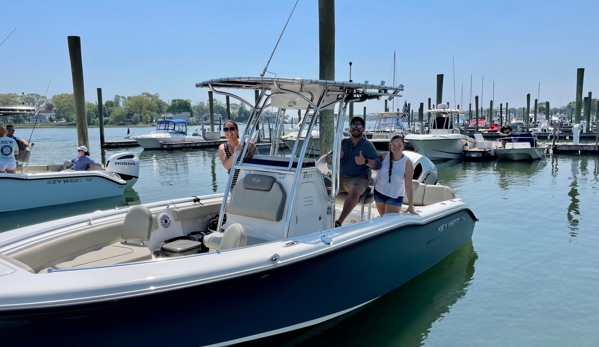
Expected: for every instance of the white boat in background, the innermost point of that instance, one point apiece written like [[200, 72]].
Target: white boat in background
[[299, 135], [45, 185], [387, 125], [273, 252], [521, 146], [444, 140], [168, 132]]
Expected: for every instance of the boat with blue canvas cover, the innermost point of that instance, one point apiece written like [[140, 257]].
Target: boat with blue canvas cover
[[521, 146], [259, 259]]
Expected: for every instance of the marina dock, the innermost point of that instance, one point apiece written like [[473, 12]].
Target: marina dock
[[181, 145]]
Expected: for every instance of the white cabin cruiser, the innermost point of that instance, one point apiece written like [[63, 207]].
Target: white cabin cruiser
[[444, 140], [44, 185], [299, 134], [168, 132], [275, 261]]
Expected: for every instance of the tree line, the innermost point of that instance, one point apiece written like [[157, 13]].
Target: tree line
[[145, 108]]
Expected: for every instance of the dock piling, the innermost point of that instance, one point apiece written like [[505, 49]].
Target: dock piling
[[101, 116], [78, 89], [579, 83]]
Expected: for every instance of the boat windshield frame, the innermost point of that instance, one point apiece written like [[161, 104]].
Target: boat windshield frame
[[308, 96]]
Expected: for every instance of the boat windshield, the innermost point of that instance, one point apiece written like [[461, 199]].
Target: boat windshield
[[171, 126]]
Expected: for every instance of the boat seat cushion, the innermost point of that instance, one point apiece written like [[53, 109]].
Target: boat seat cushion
[[233, 237], [258, 196], [117, 253], [436, 193], [94, 167], [418, 190], [138, 224]]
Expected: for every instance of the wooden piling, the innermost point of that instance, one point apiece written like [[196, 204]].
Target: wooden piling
[[585, 111], [579, 83], [211, 105], [78, 89], [535, 114], [326, 40], [101, 116], [228, 108], [469, 113], [421, 117], [507, 113], [547, 109], [597, 128], [491, 112], [439, 90], [364, 114], [588, 113], [476, 108], [500, 114], [527, 111]]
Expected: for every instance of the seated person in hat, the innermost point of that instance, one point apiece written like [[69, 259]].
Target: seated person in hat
[[81, 162]]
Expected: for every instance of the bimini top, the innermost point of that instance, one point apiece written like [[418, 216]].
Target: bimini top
[[176, 121], [293, 92]]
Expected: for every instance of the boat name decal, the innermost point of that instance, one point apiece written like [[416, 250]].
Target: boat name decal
[[66, 180], [448, 225]]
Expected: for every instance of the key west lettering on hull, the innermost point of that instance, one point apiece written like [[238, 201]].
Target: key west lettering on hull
[[68, 180]]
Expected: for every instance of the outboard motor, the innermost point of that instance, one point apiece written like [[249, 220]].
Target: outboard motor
[[126, 165]]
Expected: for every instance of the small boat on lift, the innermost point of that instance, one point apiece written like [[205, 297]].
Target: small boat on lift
[[168, 132], [240, 265]]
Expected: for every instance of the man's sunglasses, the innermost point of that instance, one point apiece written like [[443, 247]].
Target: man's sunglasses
[[357, 126], [229, 129]]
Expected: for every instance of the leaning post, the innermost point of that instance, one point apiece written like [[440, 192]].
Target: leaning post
[[78, 89], [101, 116]]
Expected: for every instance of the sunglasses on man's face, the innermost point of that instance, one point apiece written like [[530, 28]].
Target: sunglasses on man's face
[[357, 126], [229, 129]]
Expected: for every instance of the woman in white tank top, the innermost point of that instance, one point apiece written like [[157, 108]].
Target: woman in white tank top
[[394, 180]]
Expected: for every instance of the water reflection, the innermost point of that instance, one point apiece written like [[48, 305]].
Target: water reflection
[[168, 167], [22, 218], [403, 317], [517, 172], [574, 208]]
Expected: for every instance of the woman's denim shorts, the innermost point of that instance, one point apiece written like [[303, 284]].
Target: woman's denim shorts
[[378, 197]]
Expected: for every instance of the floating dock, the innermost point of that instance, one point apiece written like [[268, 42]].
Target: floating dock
[[182, 145]]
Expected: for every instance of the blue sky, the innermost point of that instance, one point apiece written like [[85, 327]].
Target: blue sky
[[165, 47]]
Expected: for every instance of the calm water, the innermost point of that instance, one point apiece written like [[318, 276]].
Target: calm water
[[530, 276]]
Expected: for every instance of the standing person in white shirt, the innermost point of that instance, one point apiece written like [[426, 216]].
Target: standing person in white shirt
[[8, 150], [394, 180]]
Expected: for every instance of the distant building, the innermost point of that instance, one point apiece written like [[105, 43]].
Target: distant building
[[42, 117]]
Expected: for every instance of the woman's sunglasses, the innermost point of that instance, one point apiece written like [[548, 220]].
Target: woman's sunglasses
[[229, 129]]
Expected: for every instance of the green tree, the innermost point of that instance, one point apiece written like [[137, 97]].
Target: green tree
[[117, 116], [33, 99], [10, 99], [64, 105], [91, 112], [180, 106], [140, 105]]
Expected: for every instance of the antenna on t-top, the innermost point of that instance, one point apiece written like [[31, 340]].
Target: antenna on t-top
[[350, 71]]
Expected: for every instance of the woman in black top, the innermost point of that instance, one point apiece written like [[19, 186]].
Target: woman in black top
[[227, 150]]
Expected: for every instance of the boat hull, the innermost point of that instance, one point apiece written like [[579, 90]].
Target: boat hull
[[241, 308], [519, 154], [37, 190], [156, 142], [439, 147]]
